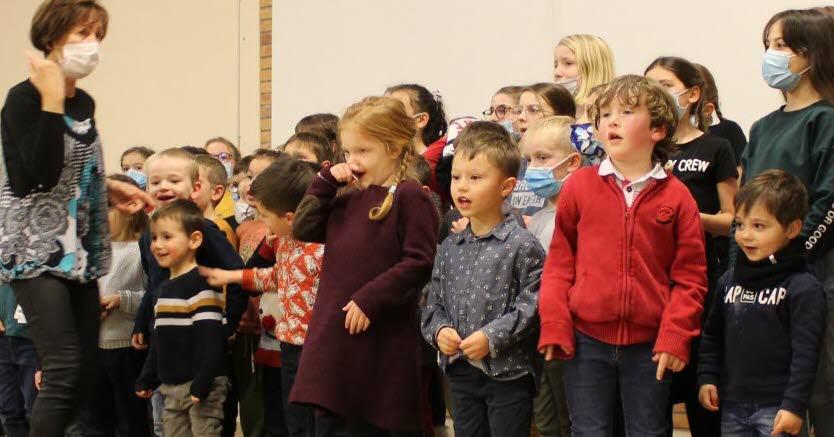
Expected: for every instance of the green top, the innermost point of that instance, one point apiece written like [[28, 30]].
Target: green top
[[8, 307], [801, 143]]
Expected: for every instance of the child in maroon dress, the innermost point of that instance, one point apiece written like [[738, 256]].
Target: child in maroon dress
[[361, 357]]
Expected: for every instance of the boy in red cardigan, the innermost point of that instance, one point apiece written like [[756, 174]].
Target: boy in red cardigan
[[623, 287]]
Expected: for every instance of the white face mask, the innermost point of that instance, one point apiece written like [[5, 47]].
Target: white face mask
[[80, 59], [572, 84]]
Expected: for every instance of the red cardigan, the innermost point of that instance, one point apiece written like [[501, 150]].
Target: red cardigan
[[624, 275]]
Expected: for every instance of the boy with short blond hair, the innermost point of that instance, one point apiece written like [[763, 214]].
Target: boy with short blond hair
[[481, 311], [212, 176]]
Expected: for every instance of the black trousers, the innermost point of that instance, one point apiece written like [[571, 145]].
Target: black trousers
[[63, 318], [119, 412]]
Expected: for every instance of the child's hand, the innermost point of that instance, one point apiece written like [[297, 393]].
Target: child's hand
[[219, 277], [355, 321], [343, 173], [448, 341], [550, 351], [459, 225], [708, 395], [110, 302], [476, 346], [144, 394], [2, 327], [786, 422], [138, 341], [195, 399], [665, 361], [38, 379]]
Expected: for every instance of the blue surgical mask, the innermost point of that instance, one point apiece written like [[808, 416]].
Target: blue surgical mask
[[542, 181], [776, 71], [229, 169], [138, 176]]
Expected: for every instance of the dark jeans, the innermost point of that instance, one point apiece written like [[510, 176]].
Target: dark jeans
[[18, 363], [63, 319], [119, 412], [751, 420], [487, 407], [591, 379], [274, 414], [822, 399], [298, 418]]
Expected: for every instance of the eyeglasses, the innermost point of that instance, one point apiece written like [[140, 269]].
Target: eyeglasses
[[500, 112], [529, 109], [223, 156]]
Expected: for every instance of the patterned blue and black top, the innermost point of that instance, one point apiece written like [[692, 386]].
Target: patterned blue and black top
[[53, 200]]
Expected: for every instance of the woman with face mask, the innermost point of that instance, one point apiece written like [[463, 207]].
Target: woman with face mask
[[54, 236]]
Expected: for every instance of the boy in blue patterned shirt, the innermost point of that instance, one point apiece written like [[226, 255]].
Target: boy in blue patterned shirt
[[481, 312]]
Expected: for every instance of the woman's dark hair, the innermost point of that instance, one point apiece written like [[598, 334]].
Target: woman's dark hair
[[55, 18], [422, 100], [556, 96], [138, 222], [242, 165], [687, 73], [810, 33], [709, 94]]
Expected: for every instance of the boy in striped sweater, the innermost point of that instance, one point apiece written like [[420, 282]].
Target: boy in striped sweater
[[186, 359]]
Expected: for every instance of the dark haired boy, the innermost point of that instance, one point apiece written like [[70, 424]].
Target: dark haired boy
[[761, 340], [481, 311], [187, 359], [289, 285]]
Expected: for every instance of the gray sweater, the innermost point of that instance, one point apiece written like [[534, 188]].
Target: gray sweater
[[126, 278]]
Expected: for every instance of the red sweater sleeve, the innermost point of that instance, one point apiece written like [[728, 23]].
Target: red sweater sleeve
[[681, 320], [558, 277]]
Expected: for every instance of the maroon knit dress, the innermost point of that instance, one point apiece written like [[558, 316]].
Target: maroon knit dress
[[381, 265]]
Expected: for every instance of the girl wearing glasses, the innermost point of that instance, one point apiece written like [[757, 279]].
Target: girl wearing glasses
[[501, 108], [537, 102]]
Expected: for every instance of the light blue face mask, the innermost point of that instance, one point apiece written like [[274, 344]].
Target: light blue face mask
[[776, 70], [138, 176], [507, 125], [542, 181]]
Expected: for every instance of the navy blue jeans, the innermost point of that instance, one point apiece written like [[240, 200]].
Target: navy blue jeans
[[750, 420], [299, 418], [18, 363], [592, 379], [485, 407]]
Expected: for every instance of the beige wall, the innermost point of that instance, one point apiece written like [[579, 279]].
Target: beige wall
[[330, 53], [172, 72]]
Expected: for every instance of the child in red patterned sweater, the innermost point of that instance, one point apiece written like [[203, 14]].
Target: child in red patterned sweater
[[290, 285]]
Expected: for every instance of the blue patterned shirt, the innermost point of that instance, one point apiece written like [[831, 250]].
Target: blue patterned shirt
[[489, 283]]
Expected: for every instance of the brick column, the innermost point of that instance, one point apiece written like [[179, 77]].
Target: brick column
[[266, 73]]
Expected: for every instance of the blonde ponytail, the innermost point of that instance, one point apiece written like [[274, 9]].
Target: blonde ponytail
[[381, 211]]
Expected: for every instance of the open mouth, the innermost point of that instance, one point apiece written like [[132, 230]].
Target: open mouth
[[463, 202], [165, 197]]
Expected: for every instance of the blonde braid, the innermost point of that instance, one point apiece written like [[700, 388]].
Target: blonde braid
[[381, 211]]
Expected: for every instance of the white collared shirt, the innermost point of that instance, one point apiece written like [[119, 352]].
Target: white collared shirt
[[630, 188]]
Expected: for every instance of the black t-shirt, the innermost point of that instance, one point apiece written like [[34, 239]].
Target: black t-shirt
[[701, 164], [731, 131]]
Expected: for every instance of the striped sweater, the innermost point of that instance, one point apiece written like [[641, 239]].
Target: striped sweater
[[189, 337]]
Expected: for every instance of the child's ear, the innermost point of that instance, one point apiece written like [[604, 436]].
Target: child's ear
[[426, 188], [695, 94], [289, 217], [325, 163], [422, 120], [659, 133], [575, 162], [195, 240], [507, 187], [196, 186], [218, 193], [794, 228], [709, 108]]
